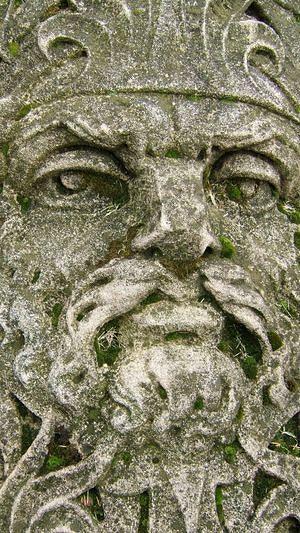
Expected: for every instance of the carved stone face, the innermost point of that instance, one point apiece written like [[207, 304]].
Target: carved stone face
[[150, 287]]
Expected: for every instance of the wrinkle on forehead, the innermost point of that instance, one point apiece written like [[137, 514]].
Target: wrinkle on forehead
[[108, 118], [230, 124]]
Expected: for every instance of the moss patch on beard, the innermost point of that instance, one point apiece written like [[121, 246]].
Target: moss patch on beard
[[240, 343]]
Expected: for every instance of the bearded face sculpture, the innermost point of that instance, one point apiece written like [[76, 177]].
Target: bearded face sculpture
[[149, 268]]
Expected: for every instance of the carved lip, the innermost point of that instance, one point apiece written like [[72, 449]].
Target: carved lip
[[167, 317]]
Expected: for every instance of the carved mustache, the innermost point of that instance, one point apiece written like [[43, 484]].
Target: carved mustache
[[120, 286], [115, 290], [234, 291]]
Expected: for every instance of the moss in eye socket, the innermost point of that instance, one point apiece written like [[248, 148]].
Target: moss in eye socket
[[234, 192], [24, 202], [112, 189], [104, 186]]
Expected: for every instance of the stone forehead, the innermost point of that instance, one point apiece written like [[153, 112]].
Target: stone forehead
[[106, 115], [152, 124], [239, 50]]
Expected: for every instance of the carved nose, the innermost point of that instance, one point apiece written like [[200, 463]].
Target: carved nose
[[177, 215]]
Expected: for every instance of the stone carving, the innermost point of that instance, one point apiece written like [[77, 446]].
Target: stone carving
[[149, 266]]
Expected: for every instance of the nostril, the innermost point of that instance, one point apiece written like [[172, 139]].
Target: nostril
[[208, 251], [153, 252], [79, 377]]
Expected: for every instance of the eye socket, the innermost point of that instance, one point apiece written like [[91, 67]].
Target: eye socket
[[81, 179], [246, 179]]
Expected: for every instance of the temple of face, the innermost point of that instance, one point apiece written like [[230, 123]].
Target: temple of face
[[149, 296]]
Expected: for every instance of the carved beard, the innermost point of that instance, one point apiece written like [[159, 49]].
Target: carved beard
[[164, 387], [160, 359]]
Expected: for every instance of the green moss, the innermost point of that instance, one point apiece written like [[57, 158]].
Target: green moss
[[138, 11], [287, 439], [275, 340], [263, 484], [234, 192], [241, 344], [249, 366], [293, 214], [224, 346], [174, 154], [36, 276], [288, 308], [106, 344], [94, 414], [91, 500], [297, 239], [275, 192], [25, 203], [54, 463], [14, 48], [294, 217], [228, 248], [194, 97], [55, 313], [61, 452], [180, 336], [219, 504], [240, 414], [144, 512], [126, 457], [230, 452], [229, 99], [5, 149], [24, 110], [199, 403], [162, 392]]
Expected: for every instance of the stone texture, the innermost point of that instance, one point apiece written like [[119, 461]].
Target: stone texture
[[149, 296]]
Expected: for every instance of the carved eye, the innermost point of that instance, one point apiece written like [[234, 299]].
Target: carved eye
[[82, 178], [246, 179], [71, 182]]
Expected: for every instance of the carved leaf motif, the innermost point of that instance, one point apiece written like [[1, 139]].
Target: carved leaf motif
[[91, 35], [253, 36]]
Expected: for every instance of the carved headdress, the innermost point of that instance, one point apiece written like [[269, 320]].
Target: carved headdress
[[237, 50]]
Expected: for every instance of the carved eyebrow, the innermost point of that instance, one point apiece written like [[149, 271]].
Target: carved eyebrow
[[84, 159]]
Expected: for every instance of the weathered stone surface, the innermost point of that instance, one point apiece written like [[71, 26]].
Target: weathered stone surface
[[149, 296]]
